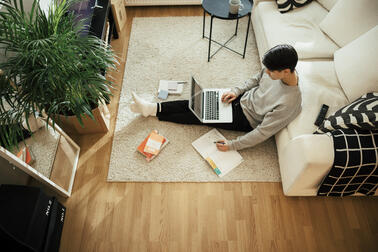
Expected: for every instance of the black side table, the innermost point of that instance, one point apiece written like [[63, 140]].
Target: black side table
[[220, 9]]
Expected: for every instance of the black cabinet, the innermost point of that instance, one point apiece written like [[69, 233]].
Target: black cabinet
[[29, 220], [94, 14], [101, 15]]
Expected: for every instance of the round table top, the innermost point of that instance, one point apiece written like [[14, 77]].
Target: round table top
[[220, 8]]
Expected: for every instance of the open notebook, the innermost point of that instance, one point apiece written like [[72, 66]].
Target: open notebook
[[221, 162]]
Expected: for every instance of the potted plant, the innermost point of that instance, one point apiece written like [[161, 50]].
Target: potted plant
[[11, 129], [54, 69]]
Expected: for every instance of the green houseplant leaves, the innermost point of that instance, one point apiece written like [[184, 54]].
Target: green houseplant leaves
[[51, 66]]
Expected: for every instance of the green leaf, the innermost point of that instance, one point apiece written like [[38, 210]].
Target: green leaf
[[52, 66]]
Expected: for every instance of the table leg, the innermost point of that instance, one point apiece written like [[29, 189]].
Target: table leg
[[203, 24], [211, 30], [236, 29], [246, 37]]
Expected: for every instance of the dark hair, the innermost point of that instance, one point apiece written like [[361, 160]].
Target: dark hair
[[280, 57]]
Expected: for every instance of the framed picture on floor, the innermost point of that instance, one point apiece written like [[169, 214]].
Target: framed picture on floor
[[119, 13]]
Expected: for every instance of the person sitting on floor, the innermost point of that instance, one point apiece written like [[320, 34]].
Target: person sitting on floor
[[262, 106]]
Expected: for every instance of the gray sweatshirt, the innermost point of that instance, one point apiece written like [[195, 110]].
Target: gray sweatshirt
[[269, 105]]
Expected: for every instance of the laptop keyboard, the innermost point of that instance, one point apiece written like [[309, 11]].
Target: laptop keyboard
[[212, 105]]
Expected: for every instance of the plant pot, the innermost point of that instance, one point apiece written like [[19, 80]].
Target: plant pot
[[100, 124]]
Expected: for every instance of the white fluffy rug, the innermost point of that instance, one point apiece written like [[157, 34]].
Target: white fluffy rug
[[173, 48]]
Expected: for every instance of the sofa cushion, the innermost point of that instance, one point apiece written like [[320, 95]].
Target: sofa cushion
[[328, 4], [356, 65], [319, 85], [287, 5], [299, 28], [349, 19], [258, 30], [360, 114]]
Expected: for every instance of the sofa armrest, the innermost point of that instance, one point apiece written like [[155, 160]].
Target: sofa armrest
[[304, 162]]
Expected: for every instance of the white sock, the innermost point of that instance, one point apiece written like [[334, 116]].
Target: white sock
[[144, 107]]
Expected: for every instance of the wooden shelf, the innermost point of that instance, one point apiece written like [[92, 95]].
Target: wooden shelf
[[63, 169], [61, 158]]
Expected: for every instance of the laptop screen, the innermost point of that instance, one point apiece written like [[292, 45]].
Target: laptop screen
[[196, 96]]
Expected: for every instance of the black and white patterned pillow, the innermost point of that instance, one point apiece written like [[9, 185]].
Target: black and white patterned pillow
[[287, 5], [360, 114]]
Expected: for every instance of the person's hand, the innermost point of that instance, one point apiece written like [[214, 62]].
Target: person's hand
[[222, 146], [228, 97]]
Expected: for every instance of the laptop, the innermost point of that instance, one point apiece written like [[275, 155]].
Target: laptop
[[207, 106]]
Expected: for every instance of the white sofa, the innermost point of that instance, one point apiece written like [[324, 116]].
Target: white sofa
[[337, 45]]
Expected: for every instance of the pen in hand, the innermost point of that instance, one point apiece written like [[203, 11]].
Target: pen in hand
[[220, 142]]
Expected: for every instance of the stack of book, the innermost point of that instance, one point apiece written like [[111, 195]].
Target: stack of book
[[170, 87], [152, 145]]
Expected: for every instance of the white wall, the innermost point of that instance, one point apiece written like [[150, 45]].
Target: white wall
[[44, 4]]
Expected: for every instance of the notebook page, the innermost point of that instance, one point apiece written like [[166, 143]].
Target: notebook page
[[205, 144], [225, 161]]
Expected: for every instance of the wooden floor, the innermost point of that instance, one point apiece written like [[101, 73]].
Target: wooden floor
[[107, 217]]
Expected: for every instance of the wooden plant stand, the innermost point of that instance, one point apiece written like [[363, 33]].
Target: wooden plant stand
[[101, 124]]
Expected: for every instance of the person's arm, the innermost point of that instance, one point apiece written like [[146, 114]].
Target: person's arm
[[248, 84], [273, 122]]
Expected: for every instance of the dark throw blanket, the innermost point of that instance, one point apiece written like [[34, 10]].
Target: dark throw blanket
[[355, 164]]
